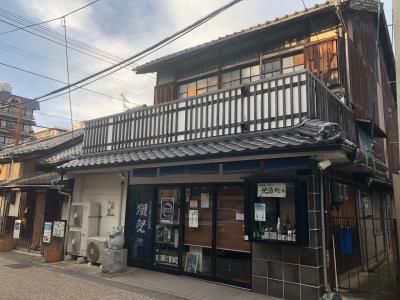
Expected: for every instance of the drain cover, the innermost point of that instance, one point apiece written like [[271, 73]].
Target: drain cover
[[19, 266]]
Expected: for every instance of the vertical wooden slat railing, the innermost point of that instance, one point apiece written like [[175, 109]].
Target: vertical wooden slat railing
[[277, 102]]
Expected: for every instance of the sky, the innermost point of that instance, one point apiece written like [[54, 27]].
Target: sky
[[120, 27]]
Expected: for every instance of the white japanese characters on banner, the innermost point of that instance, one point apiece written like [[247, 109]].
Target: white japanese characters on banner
[[272, 189]]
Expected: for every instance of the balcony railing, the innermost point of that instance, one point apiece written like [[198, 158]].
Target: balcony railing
[[266, 104]]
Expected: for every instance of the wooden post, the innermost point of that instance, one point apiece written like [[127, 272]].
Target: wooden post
[[40, 205]]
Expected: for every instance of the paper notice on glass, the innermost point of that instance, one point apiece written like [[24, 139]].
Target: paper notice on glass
[[193, 204], [193, 218], [205, 200], [259, 211], [59, 229], [239, 216], [17, 229], [272, 189], [47, 232]]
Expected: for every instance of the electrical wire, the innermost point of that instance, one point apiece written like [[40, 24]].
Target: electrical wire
[[55, 63], [63, 82], [56, 35], [155, 47], [54, 19]]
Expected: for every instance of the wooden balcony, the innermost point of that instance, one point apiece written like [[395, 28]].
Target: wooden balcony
[[267, 104]]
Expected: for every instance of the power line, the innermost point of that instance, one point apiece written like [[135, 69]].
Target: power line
[[54, 34], [83, 48], [50, 61], [63, 82], [54, 19], [155, 47]]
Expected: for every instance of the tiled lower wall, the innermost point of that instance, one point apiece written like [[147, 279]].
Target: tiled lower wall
[[288, 271]]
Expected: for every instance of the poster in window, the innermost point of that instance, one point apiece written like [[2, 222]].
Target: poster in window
[[193, 218], [59, 229], [167, 211], [17, 229], [192, 260], [205, 200], [259, 212], [271, 190], [47, 232], [110, 208]]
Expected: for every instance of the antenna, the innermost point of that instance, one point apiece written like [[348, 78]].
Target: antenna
[[124, 101]]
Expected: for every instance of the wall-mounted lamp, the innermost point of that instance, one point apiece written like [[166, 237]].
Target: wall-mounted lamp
[[322, 165]]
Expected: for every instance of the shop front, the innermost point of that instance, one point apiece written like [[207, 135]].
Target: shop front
[[204, 220]]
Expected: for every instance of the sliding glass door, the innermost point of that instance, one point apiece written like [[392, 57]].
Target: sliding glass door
[[233, 252], [198, 241]]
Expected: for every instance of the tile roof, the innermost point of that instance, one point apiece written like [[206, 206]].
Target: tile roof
[[35, 179], [147, 67], [307, 134], [62, 156], [43, 146]]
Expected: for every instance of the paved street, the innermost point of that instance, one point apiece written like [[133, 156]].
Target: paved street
[[25, 276], [26, 281]]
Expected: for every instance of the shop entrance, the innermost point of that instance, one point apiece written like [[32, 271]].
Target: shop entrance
[[197, 230]]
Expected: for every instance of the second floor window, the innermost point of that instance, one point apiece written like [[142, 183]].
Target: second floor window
[[293, 63], [283, 65], [11, 125], [198, 87], [236, 77]]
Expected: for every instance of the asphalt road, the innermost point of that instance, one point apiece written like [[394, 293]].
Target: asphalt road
[[29, 281]]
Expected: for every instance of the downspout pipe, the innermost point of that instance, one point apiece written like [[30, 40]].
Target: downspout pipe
[[59, 190], [322, 166]]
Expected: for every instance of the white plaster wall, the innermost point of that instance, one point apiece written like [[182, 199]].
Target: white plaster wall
[[102, 188]]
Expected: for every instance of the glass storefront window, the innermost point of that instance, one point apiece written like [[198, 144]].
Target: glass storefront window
[[274, 214], [167, 228]]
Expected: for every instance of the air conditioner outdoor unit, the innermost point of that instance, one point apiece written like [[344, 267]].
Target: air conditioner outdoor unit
[[95, 249], [83, 221]]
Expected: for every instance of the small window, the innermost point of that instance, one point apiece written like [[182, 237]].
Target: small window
[[198, 87], [293, 63], [271, 68], [240, 76]]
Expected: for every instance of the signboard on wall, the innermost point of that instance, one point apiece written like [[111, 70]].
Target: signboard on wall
[[110, 208], [271, 190], [47, 232], [17, 229], [59, 229], [167, 210]]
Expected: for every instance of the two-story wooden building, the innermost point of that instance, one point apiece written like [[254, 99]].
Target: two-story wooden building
[[30, 189], [265, 161]]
